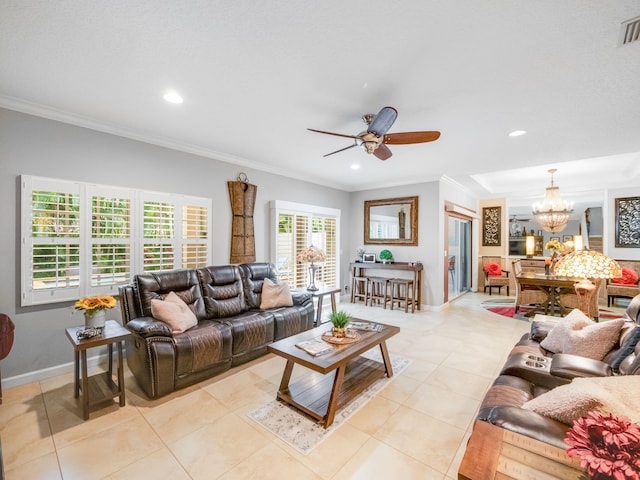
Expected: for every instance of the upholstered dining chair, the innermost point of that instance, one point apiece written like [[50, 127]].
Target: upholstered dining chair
[[494, 275], [526, 294]]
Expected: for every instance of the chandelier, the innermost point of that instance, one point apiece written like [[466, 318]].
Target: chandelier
[[553, 213]]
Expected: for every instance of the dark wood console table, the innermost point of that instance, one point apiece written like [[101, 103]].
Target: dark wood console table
[[358, 269]]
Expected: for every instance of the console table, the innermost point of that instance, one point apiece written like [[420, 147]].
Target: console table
[[358, 269]]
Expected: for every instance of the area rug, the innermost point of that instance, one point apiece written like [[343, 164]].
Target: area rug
[[506, 308], [303, 432]]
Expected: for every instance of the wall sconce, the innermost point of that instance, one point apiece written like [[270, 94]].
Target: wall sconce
[[530, 245]]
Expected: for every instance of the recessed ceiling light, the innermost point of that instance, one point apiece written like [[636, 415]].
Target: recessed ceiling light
[[173, 97], [355, 166], [517, 133]]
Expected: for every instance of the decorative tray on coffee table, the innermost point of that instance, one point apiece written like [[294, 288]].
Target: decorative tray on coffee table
[[351, 337]]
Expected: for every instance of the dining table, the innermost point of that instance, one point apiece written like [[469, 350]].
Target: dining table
[[552, 286]]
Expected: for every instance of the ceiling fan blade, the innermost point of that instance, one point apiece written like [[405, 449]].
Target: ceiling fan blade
[[383, 121], [341, 150], [331, 133], [382, 152], [410, 137]]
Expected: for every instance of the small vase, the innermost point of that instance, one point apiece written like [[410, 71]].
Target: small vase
[[339, 332], [96, 319]]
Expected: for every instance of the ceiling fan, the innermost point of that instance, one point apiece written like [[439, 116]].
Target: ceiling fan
[[375, 138]]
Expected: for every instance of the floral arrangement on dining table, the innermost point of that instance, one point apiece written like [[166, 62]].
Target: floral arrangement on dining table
[[608, 446], [91, 305], [557, 249]]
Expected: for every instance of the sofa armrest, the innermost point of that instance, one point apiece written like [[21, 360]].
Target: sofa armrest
[[149, 327], [569, 366], [533, 369], [300, 298], [540, 329], [528, 423]]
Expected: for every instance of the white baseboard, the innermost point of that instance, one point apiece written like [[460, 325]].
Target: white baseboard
[[38, 375]]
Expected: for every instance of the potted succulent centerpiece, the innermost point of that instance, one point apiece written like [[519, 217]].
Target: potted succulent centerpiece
[[339, 321], [386, 256]]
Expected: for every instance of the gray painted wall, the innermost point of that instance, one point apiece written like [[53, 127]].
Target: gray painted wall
[[37, 146], [428, 234]]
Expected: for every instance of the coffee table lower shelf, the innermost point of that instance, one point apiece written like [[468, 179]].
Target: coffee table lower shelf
[[312, 394]]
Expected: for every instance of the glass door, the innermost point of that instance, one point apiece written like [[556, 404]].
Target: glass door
[[458, 257]]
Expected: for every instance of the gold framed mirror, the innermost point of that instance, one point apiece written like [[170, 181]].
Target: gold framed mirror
[[391, 221]]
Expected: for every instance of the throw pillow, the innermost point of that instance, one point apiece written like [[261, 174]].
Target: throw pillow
[[493, 269], [580, 336], [617, 395], [174, 312], [629, 277], [275, 295], [554, 341]]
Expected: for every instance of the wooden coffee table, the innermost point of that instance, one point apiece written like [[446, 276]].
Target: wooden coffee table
[[343, 372]]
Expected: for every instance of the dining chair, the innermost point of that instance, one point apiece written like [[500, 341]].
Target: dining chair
[[494, 275]]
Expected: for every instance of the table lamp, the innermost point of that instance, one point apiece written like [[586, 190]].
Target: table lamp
[[311, 255], [587, 264], [530, 245]]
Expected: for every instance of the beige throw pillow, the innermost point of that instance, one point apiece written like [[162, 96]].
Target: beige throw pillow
[[174, 312], [617, 395], [554, 341], [578, 335], [275, 295]]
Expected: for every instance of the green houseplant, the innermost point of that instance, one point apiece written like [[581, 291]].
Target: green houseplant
[[339, 321], [386, 256]]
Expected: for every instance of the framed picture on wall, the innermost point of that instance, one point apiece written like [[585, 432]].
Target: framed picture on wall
[[627, 218], [491, 226], [567, 238], [554, 238]]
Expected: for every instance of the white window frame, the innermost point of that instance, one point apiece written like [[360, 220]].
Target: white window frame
[[29, 184], [292, 208]]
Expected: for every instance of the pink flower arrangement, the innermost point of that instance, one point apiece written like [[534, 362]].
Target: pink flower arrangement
[[608, 446]]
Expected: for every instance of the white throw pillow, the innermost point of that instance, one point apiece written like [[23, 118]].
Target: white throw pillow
[[174, 312], [567, 403], [275, 295], [579, 335]]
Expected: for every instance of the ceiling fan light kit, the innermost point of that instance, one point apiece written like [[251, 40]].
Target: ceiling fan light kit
[[375, 138]]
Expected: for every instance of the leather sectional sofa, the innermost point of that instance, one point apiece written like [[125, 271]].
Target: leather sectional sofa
[[231, 328], [530, 371]]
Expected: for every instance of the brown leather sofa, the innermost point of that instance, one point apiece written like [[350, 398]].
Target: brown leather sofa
[[531, 371], [231, 327]]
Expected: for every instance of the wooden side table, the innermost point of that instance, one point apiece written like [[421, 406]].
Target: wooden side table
[[320, 294], [96, 389]]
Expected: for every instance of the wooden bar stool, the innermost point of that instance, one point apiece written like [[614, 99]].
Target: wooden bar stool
[[359, 288], [400, 289], [377, 290]]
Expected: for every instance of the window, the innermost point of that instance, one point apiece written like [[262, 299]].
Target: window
[[297, 226], [82, 239]]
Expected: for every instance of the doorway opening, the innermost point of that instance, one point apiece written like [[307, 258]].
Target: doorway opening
[[458, 265]]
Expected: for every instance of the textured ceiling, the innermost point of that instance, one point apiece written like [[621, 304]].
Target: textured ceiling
[[255, 75]]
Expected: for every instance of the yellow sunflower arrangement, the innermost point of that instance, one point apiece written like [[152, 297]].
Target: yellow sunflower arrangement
[[92, 305]]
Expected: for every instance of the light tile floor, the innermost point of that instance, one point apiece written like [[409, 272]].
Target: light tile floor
[[416, 428]]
